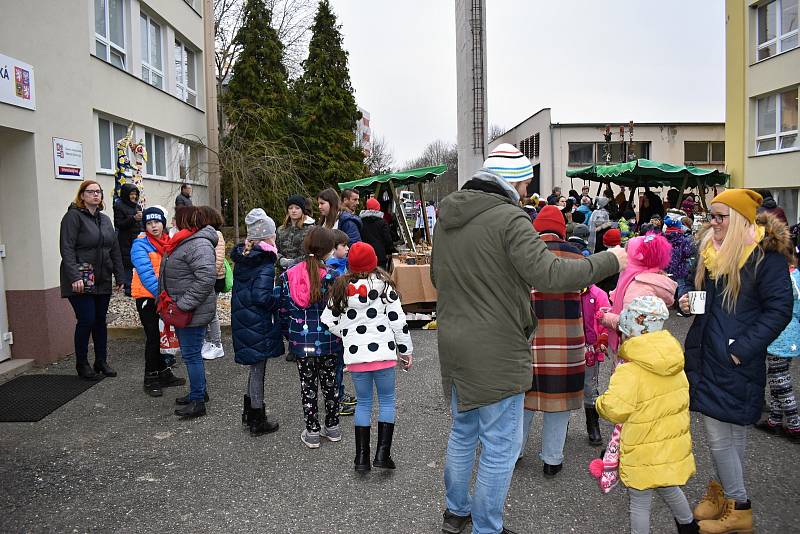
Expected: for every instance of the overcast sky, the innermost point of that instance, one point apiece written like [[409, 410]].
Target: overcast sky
[[590, 61]]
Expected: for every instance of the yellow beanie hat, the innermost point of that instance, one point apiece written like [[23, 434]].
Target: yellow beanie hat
[[745, 201]]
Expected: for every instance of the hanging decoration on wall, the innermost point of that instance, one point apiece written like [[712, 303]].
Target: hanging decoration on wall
[[128, 172]]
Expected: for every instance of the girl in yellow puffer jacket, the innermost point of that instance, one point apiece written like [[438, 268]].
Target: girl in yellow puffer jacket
[[649, 393]]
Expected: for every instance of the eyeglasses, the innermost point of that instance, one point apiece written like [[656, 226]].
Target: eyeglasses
[[93, 191], [717, 217]]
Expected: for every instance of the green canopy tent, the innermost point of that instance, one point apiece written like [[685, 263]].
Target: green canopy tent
[[649, 173], [405, 178]]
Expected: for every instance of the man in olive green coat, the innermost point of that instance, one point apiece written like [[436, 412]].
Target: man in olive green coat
[[486, 259]]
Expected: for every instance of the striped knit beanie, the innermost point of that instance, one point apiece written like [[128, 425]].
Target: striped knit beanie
[[509, 163]]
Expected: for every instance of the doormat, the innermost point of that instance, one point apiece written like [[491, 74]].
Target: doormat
[[30, 398]]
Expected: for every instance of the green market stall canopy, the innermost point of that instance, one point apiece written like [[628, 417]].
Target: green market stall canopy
[[645, 172], [405, 178]]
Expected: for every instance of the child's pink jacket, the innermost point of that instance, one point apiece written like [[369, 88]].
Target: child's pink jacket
[[593, 299], [652, 284]]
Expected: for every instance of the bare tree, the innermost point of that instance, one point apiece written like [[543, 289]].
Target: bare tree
[[291, 19], [437, 153], [380, 158], [495, 131]]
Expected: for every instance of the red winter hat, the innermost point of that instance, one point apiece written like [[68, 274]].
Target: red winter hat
[[550, 219], [373, 204], [362, 258], [612, 237]]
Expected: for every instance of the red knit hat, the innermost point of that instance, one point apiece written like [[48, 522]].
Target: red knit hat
[[362, 258], [373, 204], [550, 219], [612, 238]]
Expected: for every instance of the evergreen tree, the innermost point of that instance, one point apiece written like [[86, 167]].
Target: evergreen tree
[[326, 112], [259, 80]]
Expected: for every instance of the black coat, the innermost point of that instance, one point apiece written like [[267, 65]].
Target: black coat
[[125, 222], [87, 238], [375, 231], [718, 387]]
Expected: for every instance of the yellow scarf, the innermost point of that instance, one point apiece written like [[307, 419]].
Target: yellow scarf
[[711, 251]]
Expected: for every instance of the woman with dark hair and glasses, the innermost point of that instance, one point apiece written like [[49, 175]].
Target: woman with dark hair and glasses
[[188, 275], [89, 256]]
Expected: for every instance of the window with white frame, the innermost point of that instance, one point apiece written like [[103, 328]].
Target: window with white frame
[[109, 133], [109, 31], [185, 73], [777, 27], [156, 147], [704, 152], [776, 118], [150, 40], [187, 161]]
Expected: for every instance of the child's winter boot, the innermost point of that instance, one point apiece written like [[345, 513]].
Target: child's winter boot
[[383, 452], [362, 448], [688, 528], [712, 504], [246, 410]]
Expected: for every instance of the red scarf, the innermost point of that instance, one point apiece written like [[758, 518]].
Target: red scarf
[[178, 238], [160, 243]]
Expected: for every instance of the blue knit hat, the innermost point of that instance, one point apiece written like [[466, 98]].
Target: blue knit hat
[[509, 163]]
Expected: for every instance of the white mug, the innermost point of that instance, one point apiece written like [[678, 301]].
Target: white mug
[[697, 302]]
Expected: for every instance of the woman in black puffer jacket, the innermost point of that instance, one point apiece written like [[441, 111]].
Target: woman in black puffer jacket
[[188, 275], [89, 255], [375, 231]]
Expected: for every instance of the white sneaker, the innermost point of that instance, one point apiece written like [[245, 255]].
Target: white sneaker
[[206, 350], [215, 352]]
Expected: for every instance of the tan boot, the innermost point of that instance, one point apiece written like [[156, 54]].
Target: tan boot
[[734, 520], [712, 504]]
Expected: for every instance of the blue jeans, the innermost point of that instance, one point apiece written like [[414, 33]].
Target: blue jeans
[[498, 426], [191, 339], [728, 442], [591, 384], [554, 434], [384, 385], [90, 311]]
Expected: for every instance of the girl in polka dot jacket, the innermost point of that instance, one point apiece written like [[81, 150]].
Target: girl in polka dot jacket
[[365, 311], [304, 291]]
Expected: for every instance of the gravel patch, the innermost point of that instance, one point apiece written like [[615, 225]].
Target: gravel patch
[[122, 311]]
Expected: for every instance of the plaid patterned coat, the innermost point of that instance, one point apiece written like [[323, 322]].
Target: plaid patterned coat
[[558, 345]]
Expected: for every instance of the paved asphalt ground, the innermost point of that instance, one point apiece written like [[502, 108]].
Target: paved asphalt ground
[[116, 460]]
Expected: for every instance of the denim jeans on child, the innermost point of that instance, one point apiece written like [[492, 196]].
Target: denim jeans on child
[[498, 426], [640, 501], [554, 434], [191, 340], [384, 380], [90, 311], [591, 384], [727, 443]]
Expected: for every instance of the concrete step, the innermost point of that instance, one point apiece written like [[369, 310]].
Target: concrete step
[[12, 368]]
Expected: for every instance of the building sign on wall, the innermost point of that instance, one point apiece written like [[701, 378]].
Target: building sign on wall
[[68, 159], [16, 83]]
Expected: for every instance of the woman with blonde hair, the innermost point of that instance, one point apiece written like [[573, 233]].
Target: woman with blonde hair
[[743, 270]]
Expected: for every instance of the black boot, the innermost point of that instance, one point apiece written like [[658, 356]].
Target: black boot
[[246, 409], [86, 372], [192, 410], [259, 424], [102, 367], [183, 401], [362, 448], [593, 425], [152, 385], [168, 380], [383, 452], [688, 528]]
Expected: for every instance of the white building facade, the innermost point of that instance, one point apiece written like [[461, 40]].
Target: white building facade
[[553, 148], [94, 68]]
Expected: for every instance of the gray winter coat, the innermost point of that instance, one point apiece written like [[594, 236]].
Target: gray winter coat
[[189, 274], [290, 246]]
